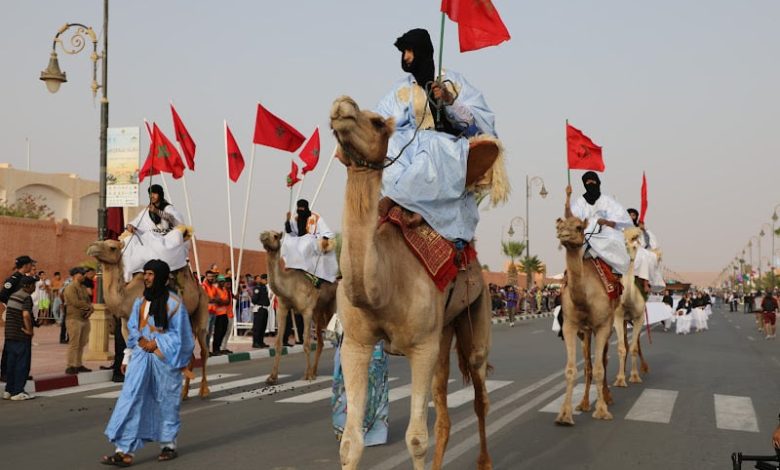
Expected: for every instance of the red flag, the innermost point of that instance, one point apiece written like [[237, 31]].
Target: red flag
[[311, 152], [234, 157], [479, 24], [163, 157], [292, 178], [147, 169], [583, 154], [643, 207], [184, 139], [273, 132]]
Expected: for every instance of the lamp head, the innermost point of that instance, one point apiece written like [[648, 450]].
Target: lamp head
[[53, 76], [543, 192], [511, 231], [774, 217]]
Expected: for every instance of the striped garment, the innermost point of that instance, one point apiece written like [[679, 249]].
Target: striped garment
[[17, 303]]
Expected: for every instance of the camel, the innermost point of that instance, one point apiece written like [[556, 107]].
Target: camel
[[294, 290], [120, 296], [586, 308], [386, 294]]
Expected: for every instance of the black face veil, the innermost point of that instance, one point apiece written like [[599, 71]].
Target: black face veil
[[303, 215], [157, 189], [157, 294], [592, 190]]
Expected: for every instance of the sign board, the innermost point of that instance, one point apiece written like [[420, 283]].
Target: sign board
[[123, 164]]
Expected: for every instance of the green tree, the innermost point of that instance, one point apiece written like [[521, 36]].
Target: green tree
[[512, 250], [27, 206], [531, 265]]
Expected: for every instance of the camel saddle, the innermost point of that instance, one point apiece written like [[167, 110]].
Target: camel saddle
[[482, 156], [610, 281], [441, 258]]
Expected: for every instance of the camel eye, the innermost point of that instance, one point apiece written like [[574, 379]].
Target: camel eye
[[378, 122]]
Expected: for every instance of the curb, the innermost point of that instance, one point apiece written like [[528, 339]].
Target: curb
[[499, 320], [54, 382]]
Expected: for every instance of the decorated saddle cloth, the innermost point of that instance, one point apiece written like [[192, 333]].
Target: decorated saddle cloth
[[439, 256], [611, 282]]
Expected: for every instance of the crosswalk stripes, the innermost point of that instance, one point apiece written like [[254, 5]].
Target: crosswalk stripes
[[576, 396], [404, 391], [196, 380], [735, 413], [654, 406], [319, 395], [271, 389], [466, 394], [77, 389]]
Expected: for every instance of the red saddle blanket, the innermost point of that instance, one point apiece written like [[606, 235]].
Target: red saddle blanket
[[611, 283], [439, 256]]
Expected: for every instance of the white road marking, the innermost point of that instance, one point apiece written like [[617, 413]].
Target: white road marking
[[404, 391], [77, 389], [466, 394], [196, 380], [271, 389], [735, 413], [737, 327], [577, 394], [653, 405], [751, 338], [312, 397]]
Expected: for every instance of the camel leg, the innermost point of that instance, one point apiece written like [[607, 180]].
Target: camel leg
[[307, 317], [439, 392], [204, 357], [273, 377], [604, 385], [565, 416], [638, 323], [588, 372], [320, 345], [422, 361], [355, 358], [643, 367], [602, 336], [620, 329]]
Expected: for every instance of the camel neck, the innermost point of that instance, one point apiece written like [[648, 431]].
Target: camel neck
[[276, 274], [574, 273], [359, 258], [113, 284]]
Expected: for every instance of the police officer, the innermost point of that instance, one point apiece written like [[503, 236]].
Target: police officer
[[23, 267], [260, 304]]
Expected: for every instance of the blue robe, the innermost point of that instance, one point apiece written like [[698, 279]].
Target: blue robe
[[148, 407], [429, 178]]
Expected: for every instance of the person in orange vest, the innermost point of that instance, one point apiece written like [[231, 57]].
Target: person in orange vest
[[219, 298], [210, 286]]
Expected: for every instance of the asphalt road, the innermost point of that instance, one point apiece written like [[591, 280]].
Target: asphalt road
[[707, 395]]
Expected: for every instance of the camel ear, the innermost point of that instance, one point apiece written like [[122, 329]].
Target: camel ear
[[390, 124]]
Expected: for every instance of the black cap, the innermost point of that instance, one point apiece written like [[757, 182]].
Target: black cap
[[76, 270], [27, 281], [22, 260], [264, 276]]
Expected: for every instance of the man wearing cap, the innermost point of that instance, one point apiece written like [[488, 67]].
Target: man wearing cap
[[606, 220], [78, 309], [646, 263], [260, 304], [18, 339], [159, 347], [303, 245], [155, 233], [23, 266], [219, 298]]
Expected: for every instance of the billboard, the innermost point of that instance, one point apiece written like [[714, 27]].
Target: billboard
[[123, 163]]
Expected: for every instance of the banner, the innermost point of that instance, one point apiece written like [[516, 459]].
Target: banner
[[122, 165]]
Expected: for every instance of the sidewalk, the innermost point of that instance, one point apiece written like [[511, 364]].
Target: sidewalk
[[523, 317]]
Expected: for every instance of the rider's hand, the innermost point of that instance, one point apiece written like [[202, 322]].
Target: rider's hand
[[568, 190], [606, 222], [289, 216], [123, 369], [130, 228], [441, 93]]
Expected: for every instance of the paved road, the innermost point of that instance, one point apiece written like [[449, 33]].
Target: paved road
[[707, 395]]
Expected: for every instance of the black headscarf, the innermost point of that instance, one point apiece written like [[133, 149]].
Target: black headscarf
[[303, 216], [157, 295], [593, 190], [636, 213], [157, 189]]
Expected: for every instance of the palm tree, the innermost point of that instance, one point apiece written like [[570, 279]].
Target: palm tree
[[512, 250], [531, 265]]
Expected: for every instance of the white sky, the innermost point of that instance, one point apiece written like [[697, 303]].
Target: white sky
[[686, 91]]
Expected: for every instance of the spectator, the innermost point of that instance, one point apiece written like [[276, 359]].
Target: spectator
[[769, 309], [23, 267], [56, 296], [222, 307], [78, 308], [18, 339], [260, 304], [90, 283]]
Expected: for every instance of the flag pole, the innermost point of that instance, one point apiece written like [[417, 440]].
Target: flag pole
[[236, 274], [230, 217], [439, 105], [568, 170], [322, 181], [300, 187]]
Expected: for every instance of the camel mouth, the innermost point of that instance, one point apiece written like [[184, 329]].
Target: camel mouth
[[93, 250]]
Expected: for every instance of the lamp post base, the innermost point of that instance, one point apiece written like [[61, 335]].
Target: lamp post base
[[97, 349]]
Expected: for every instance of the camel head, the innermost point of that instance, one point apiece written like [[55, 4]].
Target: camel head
[[632, 236], [106, 251], [271, 241], [362, 135], [571, 232]]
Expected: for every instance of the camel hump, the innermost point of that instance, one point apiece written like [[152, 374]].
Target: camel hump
[[482, 156]]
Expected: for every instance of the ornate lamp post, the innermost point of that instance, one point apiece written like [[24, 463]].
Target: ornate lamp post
[[773, 235], [53, 77], [543, 192]]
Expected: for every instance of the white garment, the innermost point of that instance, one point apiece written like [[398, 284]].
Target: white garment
[[155, 241], [683, 322], [303, 251], [699, 318], [606, 242]]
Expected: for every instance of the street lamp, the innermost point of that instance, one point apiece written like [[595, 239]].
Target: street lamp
[[773, 234], [529, 182], [760, 236], [53, 77]]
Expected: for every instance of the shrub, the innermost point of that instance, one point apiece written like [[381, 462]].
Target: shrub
[[27, 206]]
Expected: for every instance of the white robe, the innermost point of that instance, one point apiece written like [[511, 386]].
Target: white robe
[[605, 242], [646, 264], [303, 251], [157, 241]]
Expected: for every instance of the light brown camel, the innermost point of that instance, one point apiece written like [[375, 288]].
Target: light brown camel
[[120, 296], [586, 308], [386, 294], [294, 290]]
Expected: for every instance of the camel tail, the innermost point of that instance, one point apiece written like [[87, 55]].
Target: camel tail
[[463, 359]]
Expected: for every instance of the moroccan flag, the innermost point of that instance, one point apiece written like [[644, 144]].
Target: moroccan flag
[[311, 152], [292, 178], [146, 169], [163, 157], [234, 158], [273, 132], [479, 24], [184, 139], [643, 207], [583, 154]]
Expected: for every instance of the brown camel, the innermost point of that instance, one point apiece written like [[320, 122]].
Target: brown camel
[[120, 296], [386, 294], [295, 291], [586, 308]]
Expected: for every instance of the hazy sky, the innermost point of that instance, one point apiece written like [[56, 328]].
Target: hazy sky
[[686, 91]]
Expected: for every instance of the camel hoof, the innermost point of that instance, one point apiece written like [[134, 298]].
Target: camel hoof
[[271, 380], [635, 379], [583, 407], [645, 369], [310, 377], [620, 382], [602, 414], [565, 418]]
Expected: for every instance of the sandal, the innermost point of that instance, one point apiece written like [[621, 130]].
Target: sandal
[[118, 460], [167, 454]]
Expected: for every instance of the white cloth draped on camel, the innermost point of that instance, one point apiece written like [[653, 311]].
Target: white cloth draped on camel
[[605, 242], [154, 241], [304, 252], [646, 264], [699, 318]]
